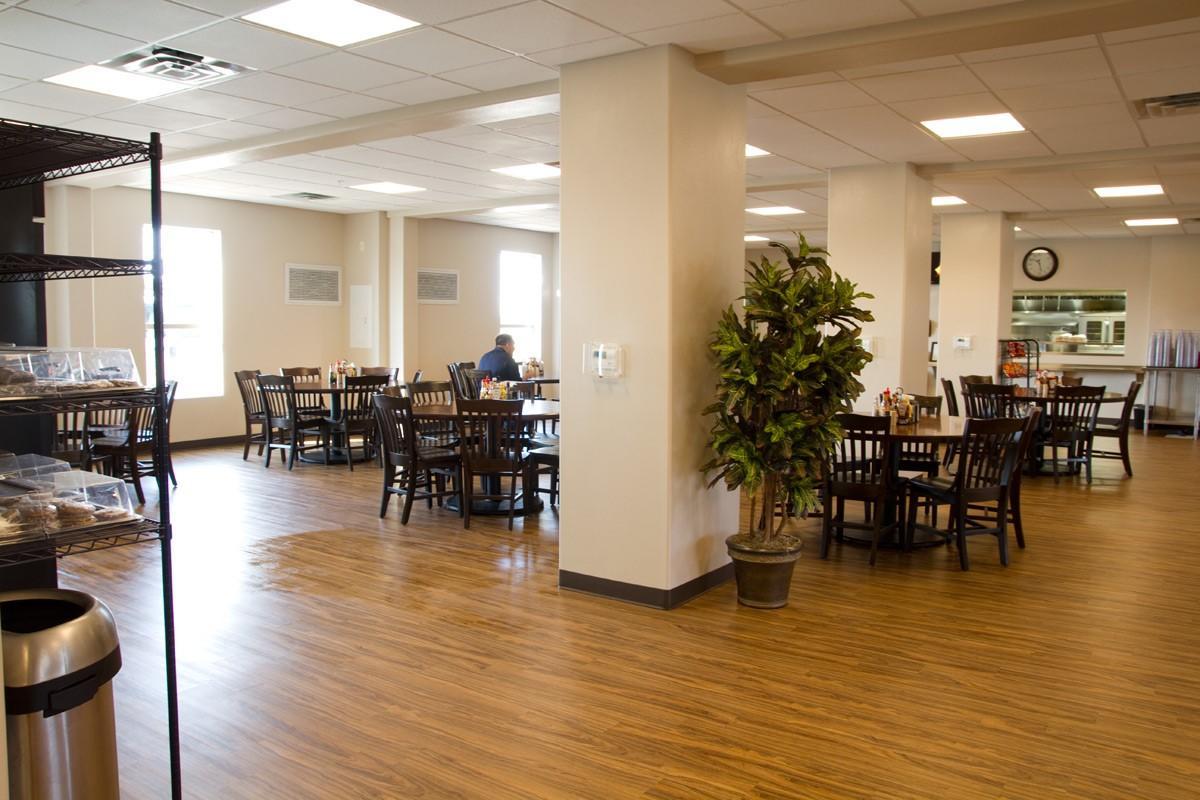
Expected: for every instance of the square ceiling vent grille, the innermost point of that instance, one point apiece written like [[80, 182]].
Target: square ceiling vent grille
[[1171, 105], [180, 66]]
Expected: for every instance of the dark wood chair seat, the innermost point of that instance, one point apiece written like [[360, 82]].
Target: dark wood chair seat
[[252, 410], [1118, 429], [1072, 426], [410, 469], [287, 425], [491, 440], [356, 416], [860, 469], [544, 461]]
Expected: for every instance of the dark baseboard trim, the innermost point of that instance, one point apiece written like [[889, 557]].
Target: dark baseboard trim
[[193, 444], [645, 595]]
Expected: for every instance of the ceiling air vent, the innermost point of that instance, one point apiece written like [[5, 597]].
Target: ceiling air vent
[[1171, 105], [437, 286], [182, 67], [305, 196], [310, 285]]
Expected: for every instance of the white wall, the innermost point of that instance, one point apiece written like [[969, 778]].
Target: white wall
[[261, 331], [467, 330]]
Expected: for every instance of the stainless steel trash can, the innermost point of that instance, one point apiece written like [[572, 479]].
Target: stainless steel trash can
[[60, 656]]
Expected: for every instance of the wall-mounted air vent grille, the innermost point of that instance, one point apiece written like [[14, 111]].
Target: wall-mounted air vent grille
[[1170, 105], [309, 285], [438, 286]]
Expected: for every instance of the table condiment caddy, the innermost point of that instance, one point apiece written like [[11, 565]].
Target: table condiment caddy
[[901, 407]]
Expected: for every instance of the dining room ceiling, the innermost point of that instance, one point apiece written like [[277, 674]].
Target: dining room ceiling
[[1074, 95]]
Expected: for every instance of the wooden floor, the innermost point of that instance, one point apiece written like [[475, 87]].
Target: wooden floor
[[325, 653]]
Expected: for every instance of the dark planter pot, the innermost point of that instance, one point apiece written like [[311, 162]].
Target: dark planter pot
[[764, 576]]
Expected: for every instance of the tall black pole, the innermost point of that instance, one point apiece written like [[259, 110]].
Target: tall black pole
[[162, 449]]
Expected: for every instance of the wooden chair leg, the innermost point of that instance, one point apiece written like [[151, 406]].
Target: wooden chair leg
[[1086, 449], [429, 485], [389, 477], [1123, 442], [1015, 505], [462, 497], [960, 525], [350, 451], [826, 525], [249, 437], [269, 441], [512, 499], [410, 490], [468, 497], [1002, 524], [137, 480], [876, 529], [912, 522]]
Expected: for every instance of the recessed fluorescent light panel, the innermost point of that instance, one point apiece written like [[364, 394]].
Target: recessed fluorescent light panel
[[755, 152], [115, 82], [521, 208], [1145, 190], [1142, 223], [755, 239], [982, 125], [1016, 228], [947, 200], [335, 22], [774, 211], [530, 172], [387, 187]]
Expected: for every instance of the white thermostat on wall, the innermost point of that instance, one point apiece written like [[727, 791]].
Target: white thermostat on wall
[[603, 360]]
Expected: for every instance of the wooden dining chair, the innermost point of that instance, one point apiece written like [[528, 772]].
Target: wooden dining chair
[[357, 414], [491, 440], [1118, 428], [951, 399], [302, 377], [544, 461], [974, 380], [1073, 414], [72, 442], [434, 432], [986, 458], [375, 372], [129, 450], [917, 457], [252, 410], [411, 468], [1069, 381], [859, 469], [287, 425], [989, 400]]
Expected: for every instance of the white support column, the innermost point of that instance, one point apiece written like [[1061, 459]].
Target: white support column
[[402, 322], [975, 294], [70, 305], [880, 236], [652, 209]]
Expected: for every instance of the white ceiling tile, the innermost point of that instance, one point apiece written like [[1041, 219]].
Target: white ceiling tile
[[422, 90], [547, 132], [232, 130], [963, 105], [110, 127], [162, 119], [249, 45], [30, 31], [187, 141], [1184, 129], [719, 33], [1152, 55], [881, 132], [1009, 145], [1153, 31], [524, 123], [227, 8], [918, 85], [501, 74], [287, 118], [638, 15], [894, 68], [774, 166], [533, 153], [1034, 49], [213, 104], [445, 152], [1015, 73], [271, 88], [42, 116], [33, 66], [428, 50], [1099, 114], [1183, 188], [810, 17], [146, 20], [927, 8], [64, 98], [347, 71], [1050, 229], [527, 27], [789, 138], [7, 82], [991, 195], [432, 12], [819, 97], [348, 105], [1061, 95], [581, 52], [798, 80], [1163, 82], [1092, 138]]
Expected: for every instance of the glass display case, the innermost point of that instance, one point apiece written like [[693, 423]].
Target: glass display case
[[50, 371]]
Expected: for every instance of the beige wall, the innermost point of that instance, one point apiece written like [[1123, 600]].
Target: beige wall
[[261, 331], [466, 330]]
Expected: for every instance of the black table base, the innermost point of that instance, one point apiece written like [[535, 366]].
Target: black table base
[[888, 541], [499, 508]]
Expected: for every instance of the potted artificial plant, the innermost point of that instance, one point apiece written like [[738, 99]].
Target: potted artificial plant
[[789, 363]]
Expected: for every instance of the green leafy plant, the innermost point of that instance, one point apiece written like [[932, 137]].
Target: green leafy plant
[[789, 363]]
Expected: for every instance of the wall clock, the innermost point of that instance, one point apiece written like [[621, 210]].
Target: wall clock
[[1040, 263]]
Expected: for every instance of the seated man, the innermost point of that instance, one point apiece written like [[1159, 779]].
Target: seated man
[[499, 361]]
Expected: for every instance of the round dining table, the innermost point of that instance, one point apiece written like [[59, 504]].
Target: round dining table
[[338, 452], [526, 503]]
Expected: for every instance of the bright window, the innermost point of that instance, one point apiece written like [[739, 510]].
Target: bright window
[[192, 309], [521, 302]]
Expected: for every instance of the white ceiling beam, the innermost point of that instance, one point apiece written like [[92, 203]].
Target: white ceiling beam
[[1024, 22], [477, 206], [1182, 211], [518, 102], [1106, 159]]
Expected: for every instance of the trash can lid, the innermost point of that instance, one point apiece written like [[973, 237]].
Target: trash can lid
[[50, 633]]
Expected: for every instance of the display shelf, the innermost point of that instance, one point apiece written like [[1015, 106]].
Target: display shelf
[[35, 153], [78, 401], [16, 267], [1019, 359], [85, 540]]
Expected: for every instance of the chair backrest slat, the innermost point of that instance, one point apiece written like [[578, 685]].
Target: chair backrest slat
[[247, 381], [951, 398], [490, 430], [356, 400], [431, 393], [1074, 409], [989, 401], [987, 454], [278, 396], [862, 454], [393, 416]]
